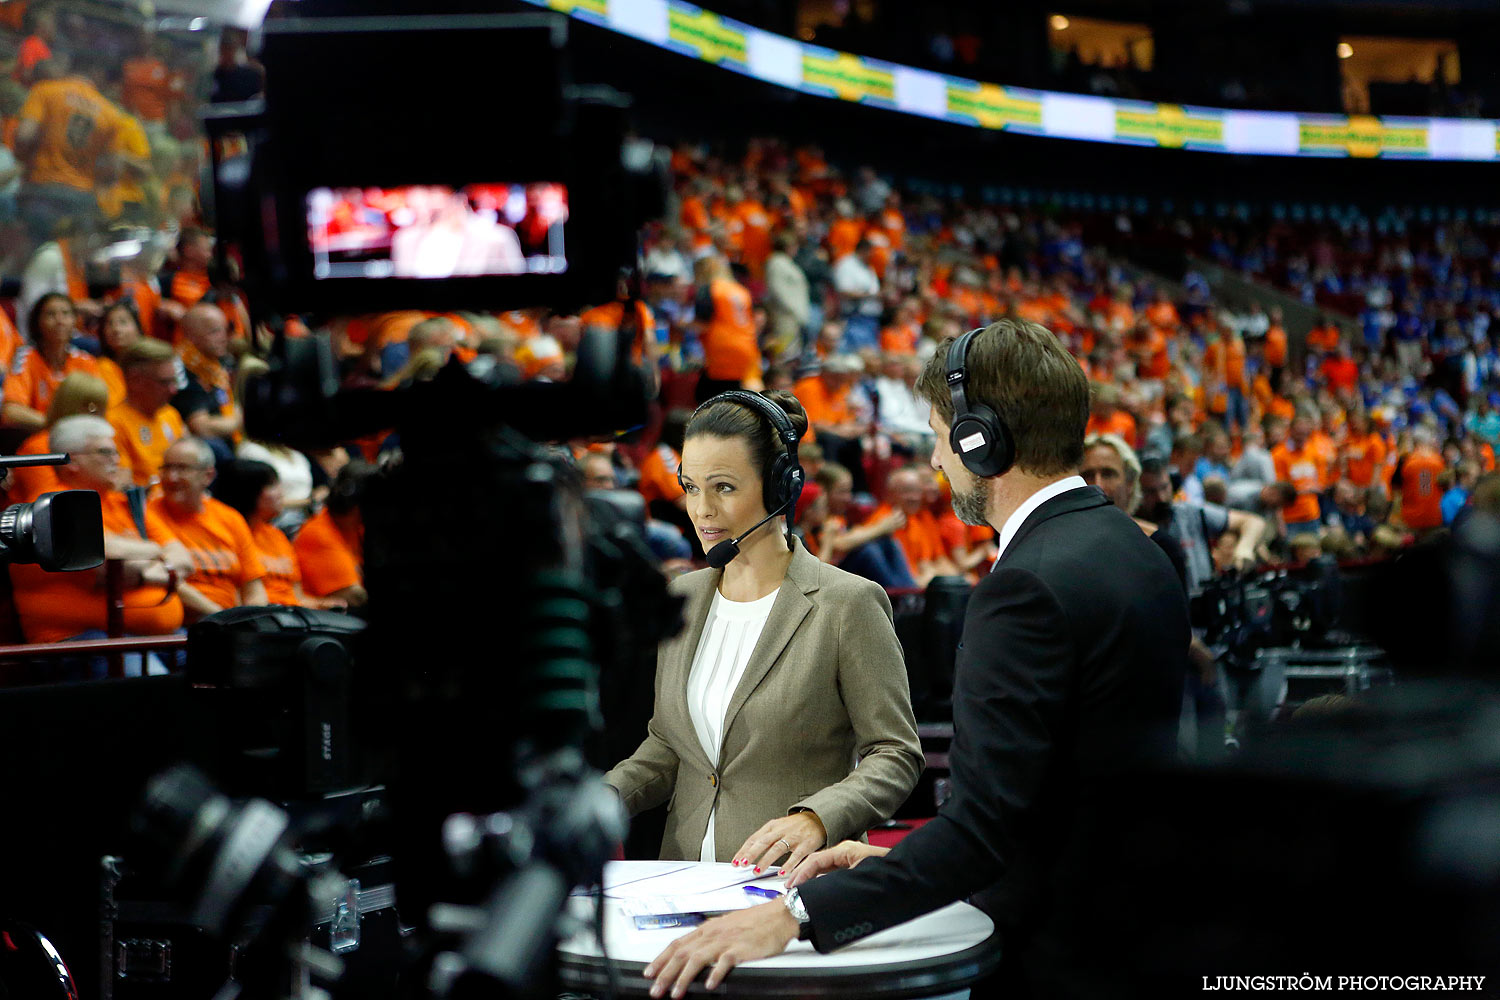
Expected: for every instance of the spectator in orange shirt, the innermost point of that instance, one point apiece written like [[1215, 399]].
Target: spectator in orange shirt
[[76, 394], [1300, 464], [1323, 338], [147, 87], [731, 353], [227, 571], [145, 423], [1364, 451], [37, 47], [119, 328], [845, 233], [902, 335], [67, 140], [37, 370], [57, 606], [330, 546], [254, 490], [825, 397], [1106, 416], [1416, 481], [189, 281], [1276, 345], [1339, 371], [920, 537]]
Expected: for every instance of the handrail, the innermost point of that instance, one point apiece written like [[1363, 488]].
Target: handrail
[[73, 647]]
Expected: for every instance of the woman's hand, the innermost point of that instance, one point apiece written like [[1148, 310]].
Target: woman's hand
[[797, 835], [842, 855]]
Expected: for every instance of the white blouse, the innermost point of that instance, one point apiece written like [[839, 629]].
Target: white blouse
[[729, 637]]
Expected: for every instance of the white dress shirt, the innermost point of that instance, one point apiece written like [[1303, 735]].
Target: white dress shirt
[[1031, 503], [729, 637]]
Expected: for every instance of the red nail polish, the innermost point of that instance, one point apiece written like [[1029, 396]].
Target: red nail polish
[[757, 869]]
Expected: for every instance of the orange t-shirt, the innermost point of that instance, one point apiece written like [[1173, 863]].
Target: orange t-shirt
[[899, 339], [1362, 456], [843, 237], [1276, 347], [280, 560], [755, 235], [10, 342], [33, 50], [78, 126], [26, 484], [1154, 362], [1327, 450], [147, 88], [1421, 498], [113, 377], [1323, 338], [143, 441], [1120, 422], [659, 475], [921, 538], [32, 381], [188, 287], [57, 606], [1304, 469], [824, 409], [730, 352], [224, 556], [327, 557], [146, 298]]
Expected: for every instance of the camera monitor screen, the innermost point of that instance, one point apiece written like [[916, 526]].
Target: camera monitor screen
[[434, 232]]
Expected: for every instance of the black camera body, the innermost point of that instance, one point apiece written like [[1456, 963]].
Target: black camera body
[[436, 162], [1267, 610]]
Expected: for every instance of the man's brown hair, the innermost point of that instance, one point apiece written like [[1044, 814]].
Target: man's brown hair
[[1022, 372], [146, 352]]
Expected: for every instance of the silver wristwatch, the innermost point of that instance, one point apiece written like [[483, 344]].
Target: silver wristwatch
[[798, 910]]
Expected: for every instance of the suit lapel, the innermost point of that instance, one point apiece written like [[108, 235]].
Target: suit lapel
[[1085, 498], [788, 610]]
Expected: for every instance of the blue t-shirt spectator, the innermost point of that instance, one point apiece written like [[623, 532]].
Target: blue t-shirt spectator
[[1453, 501]]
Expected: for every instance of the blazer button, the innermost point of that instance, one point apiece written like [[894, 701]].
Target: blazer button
[[713, 781]]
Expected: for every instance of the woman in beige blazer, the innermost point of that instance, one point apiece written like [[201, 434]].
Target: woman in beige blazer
[[787, 672]]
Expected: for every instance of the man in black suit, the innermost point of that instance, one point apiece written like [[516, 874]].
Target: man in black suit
[[1069, 675]]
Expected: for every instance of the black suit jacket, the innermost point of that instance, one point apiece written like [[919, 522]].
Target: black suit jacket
[[1069, 676]]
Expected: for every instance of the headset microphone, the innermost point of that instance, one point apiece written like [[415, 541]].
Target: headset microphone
[[723, 554]]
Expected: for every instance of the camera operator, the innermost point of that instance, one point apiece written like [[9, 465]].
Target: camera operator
[[1196, 526], [54, 607]]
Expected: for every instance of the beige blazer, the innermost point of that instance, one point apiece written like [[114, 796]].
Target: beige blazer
[[826, 683]]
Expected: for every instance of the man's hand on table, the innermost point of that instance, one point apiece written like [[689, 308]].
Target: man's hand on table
[[846, 854], [720, 944], [745, 935]]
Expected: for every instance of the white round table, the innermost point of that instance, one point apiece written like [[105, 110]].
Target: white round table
[[936, 954]]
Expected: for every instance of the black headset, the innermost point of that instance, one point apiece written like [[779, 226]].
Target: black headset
[[782, 482], [979, 436]]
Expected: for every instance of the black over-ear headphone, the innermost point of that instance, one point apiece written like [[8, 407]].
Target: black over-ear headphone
[[979, 437], [782, 481]]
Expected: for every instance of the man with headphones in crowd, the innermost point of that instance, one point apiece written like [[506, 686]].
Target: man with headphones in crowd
[[1069, 675]]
